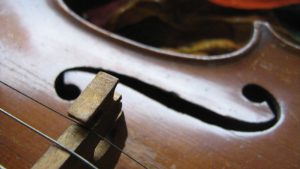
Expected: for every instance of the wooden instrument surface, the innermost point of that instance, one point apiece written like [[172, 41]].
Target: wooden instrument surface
[[38, 41]]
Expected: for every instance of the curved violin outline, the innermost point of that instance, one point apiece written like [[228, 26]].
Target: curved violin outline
[[257, 30], [179, 104]]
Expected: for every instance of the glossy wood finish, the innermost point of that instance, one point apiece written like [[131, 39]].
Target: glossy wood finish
[[38, 41]]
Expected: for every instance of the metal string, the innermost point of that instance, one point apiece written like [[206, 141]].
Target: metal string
[[49, 138], [81, 125]]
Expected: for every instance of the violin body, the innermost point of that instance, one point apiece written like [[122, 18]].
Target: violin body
[[39, 40]]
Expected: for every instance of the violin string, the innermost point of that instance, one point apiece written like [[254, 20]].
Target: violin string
[[74, 121], [48, 138]]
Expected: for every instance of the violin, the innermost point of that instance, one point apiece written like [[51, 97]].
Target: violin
[[237, 109]]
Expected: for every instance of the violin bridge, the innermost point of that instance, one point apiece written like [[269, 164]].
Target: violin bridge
[[98, 108]]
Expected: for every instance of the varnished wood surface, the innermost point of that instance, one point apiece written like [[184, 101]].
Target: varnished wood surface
[[38, 41], [97, 107]]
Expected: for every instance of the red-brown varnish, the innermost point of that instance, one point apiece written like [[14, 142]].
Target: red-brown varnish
[[255, 4]]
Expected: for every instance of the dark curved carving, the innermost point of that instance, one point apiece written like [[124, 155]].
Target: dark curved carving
[[173, 101]]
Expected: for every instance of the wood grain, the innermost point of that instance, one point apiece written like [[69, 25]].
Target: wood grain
[[98, 93], [95, 103], [55, 157], [40, 41]]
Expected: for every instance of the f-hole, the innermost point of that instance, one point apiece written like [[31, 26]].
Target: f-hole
[[172, 100], [66, 91], [258, 94]]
